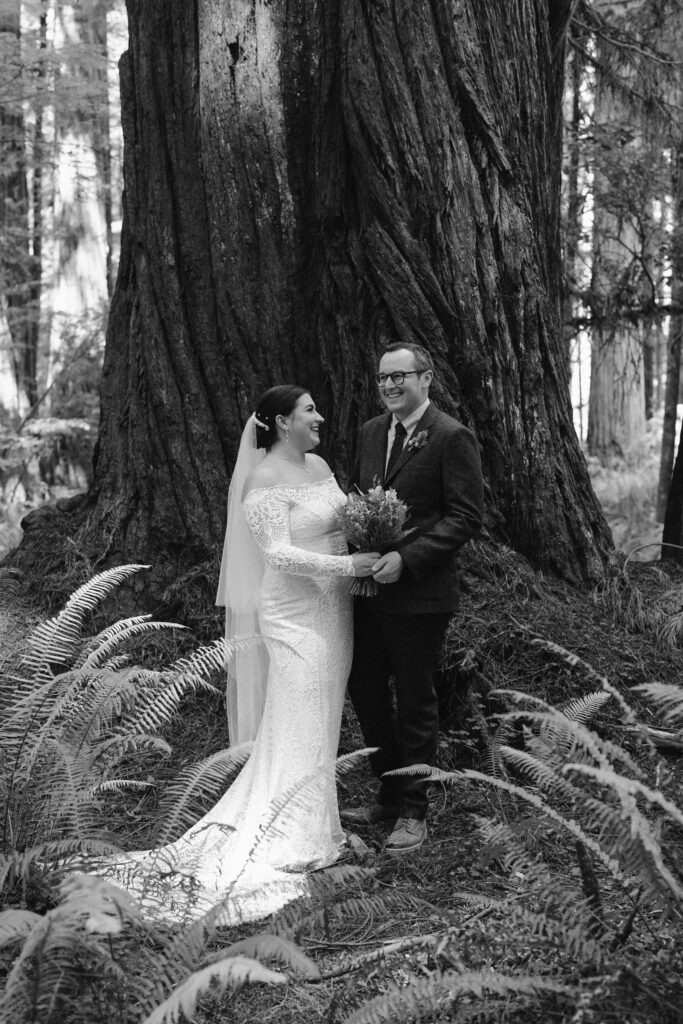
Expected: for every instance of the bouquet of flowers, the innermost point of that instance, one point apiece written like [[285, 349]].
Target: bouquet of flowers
[[373, 521]]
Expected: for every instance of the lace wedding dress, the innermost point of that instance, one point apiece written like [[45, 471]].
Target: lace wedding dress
[[233, 853]]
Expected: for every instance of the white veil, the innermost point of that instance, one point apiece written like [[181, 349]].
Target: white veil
[[238, 590]]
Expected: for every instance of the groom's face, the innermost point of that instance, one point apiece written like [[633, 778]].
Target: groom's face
[[402, 399]]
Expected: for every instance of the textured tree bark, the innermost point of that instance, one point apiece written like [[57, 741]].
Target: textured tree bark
[[671, 482], [305, 181], [19, 265], [616, 405]]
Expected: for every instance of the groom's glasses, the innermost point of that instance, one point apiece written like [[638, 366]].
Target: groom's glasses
[[395, 378]]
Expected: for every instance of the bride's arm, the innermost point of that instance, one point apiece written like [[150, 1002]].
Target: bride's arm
[[267, 515]]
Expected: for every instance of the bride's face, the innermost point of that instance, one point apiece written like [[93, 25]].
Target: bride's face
[[304, 423]]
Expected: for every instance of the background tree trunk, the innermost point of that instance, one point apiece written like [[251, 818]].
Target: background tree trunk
[[304, 182], [19, 264], [616, 407], [673, 516]]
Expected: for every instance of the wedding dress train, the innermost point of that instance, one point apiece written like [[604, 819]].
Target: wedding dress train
[[305, 616]]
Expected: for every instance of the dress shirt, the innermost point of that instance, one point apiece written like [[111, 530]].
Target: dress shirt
[[410, 422]]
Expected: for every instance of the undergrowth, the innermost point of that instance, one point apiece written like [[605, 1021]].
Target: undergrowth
[[550, 887]]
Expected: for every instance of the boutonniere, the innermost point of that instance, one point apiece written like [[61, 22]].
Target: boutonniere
[[419, 441]]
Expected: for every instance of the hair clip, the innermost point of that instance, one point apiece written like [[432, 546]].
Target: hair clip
[[257, 421]]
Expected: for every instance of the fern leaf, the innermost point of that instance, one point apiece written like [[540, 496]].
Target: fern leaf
[[102, 638], [426, 771], [524, 698], [543, 775], [572, 659], [323, 887], [347, 763], [271, 947], [425, 997], [102, 646], [121, 786], [667, 696], [213, 657], [158, 700], [56, 943], [15, 925], [194, 786], [568, 824], [54, 854], [230, 973], [57, 640], [584, 709], [83, 894], [568, 737], [113, 749], [626, 789], [290, 921]]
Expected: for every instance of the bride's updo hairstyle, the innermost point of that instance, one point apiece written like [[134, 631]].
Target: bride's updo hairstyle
[[277, 401]]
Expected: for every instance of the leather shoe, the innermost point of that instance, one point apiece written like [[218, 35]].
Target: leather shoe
[[408, 835], [372, 814]]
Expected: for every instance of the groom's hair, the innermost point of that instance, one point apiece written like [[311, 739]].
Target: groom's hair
[[277, 401], [423, 360]]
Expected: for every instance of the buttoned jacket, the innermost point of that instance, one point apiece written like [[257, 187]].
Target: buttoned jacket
[[438, 475]]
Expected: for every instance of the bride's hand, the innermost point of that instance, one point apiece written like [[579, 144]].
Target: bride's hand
[[363, 562]]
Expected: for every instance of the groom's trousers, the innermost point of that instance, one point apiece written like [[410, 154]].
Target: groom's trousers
[[405, 724]]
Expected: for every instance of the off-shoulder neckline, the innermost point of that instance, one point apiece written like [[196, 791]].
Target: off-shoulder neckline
[[289, 487]]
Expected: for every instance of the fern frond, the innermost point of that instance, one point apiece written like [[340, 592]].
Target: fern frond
[[667, 697], [626, 790], [159, 697], [118, 662], [99, 649], [347, 763], [55, 943], [112, 750], [15, 925], [568, 738], [101, 639], [291, 920], [669, 629], [97, 902], [568, 824], [584, 709], [232, 973], [194, 786], [494, 741], [58, 639], [271, 947], [323, 887], [121, 786], [54, 855], [524, 698], [213, 657], [542, 774], [424, 997], [572, 659], [428, 772]]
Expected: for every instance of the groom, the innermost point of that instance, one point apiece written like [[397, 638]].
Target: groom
[[432, 462]]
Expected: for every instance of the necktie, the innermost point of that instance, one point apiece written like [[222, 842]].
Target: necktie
[[396, 448]]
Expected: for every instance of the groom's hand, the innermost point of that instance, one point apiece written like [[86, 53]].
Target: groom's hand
[[388, 568]]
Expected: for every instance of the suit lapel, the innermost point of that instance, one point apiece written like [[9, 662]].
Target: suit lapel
[[378, 450], [422, 424]]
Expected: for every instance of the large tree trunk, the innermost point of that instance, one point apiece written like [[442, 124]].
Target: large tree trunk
[[305, 181]]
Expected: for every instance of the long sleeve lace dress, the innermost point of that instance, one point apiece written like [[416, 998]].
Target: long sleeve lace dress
[[305, 618]]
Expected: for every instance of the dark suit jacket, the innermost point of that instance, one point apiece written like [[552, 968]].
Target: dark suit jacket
[[441, 484]]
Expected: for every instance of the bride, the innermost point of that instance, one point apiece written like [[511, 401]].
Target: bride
[[285, 576]]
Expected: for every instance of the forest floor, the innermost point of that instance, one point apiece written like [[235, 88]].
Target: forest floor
[[451, 905]]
